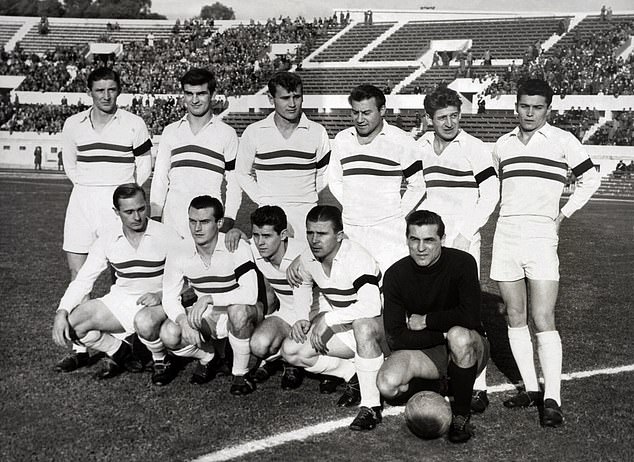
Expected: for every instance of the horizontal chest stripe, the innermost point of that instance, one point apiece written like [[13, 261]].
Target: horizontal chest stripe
[[146, 263], [283, 291], [198, 164], [370, 171], [282, 282], [112, 159], [139, 275], [373, 159], [311, 166], [485, 174], [207, 279], [324, 161], [143, 149], [192, 148], [447, 171], [333, 291], [104, 147], [450, 184], [284, 153], [533, 160], [534, 173], [215, 290], [582, 167]]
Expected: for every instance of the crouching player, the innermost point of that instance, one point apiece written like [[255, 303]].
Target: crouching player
[[349, 324], [136, 248], [276, 252], [226, 286], [432, 319]]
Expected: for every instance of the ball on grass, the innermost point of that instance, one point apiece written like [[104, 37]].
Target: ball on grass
[[428, 415]]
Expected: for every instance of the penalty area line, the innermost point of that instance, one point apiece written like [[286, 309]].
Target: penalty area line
[[240, 450]]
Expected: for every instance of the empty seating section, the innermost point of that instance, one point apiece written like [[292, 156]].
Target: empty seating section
[[586, 28], [7, 31], [490, 126], [504, 38], [80, 34], [352, 42], [445, 74], [341, 80]]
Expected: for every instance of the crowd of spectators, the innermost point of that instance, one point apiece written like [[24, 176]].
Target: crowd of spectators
[[577, 121], [617, 132]]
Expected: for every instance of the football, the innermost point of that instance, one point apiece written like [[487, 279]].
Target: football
[[428, 415]]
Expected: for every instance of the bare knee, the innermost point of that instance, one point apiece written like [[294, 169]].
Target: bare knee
[[367, 333], [294, 353], [147, 324], [242, 319], [462, 346], [260, 344], [170, 334], [388, 381]]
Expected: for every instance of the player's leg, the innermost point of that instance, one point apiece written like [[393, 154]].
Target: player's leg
[[147, 324], [401, 367], [515, 298], [369, 335], [337, 363], [242, 320], [549, 350], [94, 323]]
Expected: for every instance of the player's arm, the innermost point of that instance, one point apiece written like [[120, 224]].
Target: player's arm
[[244, 167], [488, 191], [160, 180], [588, 179], [467, 312], [399, 335], [233, 193], [412, 167], [245, 271], [323, 158], [69, 152], [142, 150], [303, 303], [334, 172], [173, 281]]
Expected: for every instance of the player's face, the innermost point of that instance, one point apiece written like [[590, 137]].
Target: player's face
[[446, 123], [323, 240], [424, 244], [532, 112], [288, 104], [367, 117], [133, 212], [267, 240], [197, 99], [203, 225], [104, 94]]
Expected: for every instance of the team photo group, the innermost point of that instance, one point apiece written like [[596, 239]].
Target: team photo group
[[381, 293]]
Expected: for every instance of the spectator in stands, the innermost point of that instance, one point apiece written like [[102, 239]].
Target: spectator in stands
[[435, 59], [43, 27], [486, 57], [602, 12], [482, 109], [608, 14], [37, 158], [620, 167], [60, 161]]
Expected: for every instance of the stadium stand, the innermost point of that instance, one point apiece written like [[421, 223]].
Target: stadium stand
[[352, 42], [617, 132], [446, 74], [332, 81], [8, 30]]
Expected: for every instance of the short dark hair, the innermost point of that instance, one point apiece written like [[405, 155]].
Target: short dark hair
[[104, 73], [289, 81], [326, 213], [208, 202], [535, 87], [366, 91], [271, 215], [425, 217], [441, 98], [126, 191], [199, 76]]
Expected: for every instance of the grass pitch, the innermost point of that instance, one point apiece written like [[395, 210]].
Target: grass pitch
[[51, 416]]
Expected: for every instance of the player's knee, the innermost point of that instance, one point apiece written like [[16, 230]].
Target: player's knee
[[461, 342], [365, 330], [388, 382], [88, 338], [544, 322], [291, 351], [260, 345], [240, 316], [170, 335], [145, 326]]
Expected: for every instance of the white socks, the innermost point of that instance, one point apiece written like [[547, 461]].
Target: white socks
[[522, 348], [241, 354], [481, 381], [550, 358], [336, 367], [367, 371], [101, 341], [155, 347]]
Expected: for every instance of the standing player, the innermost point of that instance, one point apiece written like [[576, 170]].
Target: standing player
[[368, 164], [349, 323], [432, 319], [136, 248], [276, 252], [532, 162], [103, 147], [226, 286], [194, 156], [287, 152], [462, 186]]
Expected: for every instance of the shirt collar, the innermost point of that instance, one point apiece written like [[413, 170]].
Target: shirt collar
[[149, 229], [184, 119], [546, 131], [269, 121], [428, 137], [85, 115]]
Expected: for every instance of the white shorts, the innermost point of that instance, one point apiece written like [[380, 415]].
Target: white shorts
[[386, 241], [452, 229], [123, 306], [218, 317], [525, 247], [89, 209], [288, 315], [296, 217], [176, 212], [345, 333]]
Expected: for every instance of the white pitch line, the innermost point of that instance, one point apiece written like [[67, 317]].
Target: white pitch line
[[327, 427]]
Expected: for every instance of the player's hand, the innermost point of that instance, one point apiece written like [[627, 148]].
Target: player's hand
[[417, 322], [61, 328], [299, 330], [294, 273], [197, 311], [232, 239], [461, 243], [189, 335], [149, 299], [318, 334], [558, 221]]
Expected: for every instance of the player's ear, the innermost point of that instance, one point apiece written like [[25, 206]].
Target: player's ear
[[442, 239], [284, 234], [340, 236], [270, 96], [220, 222]]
